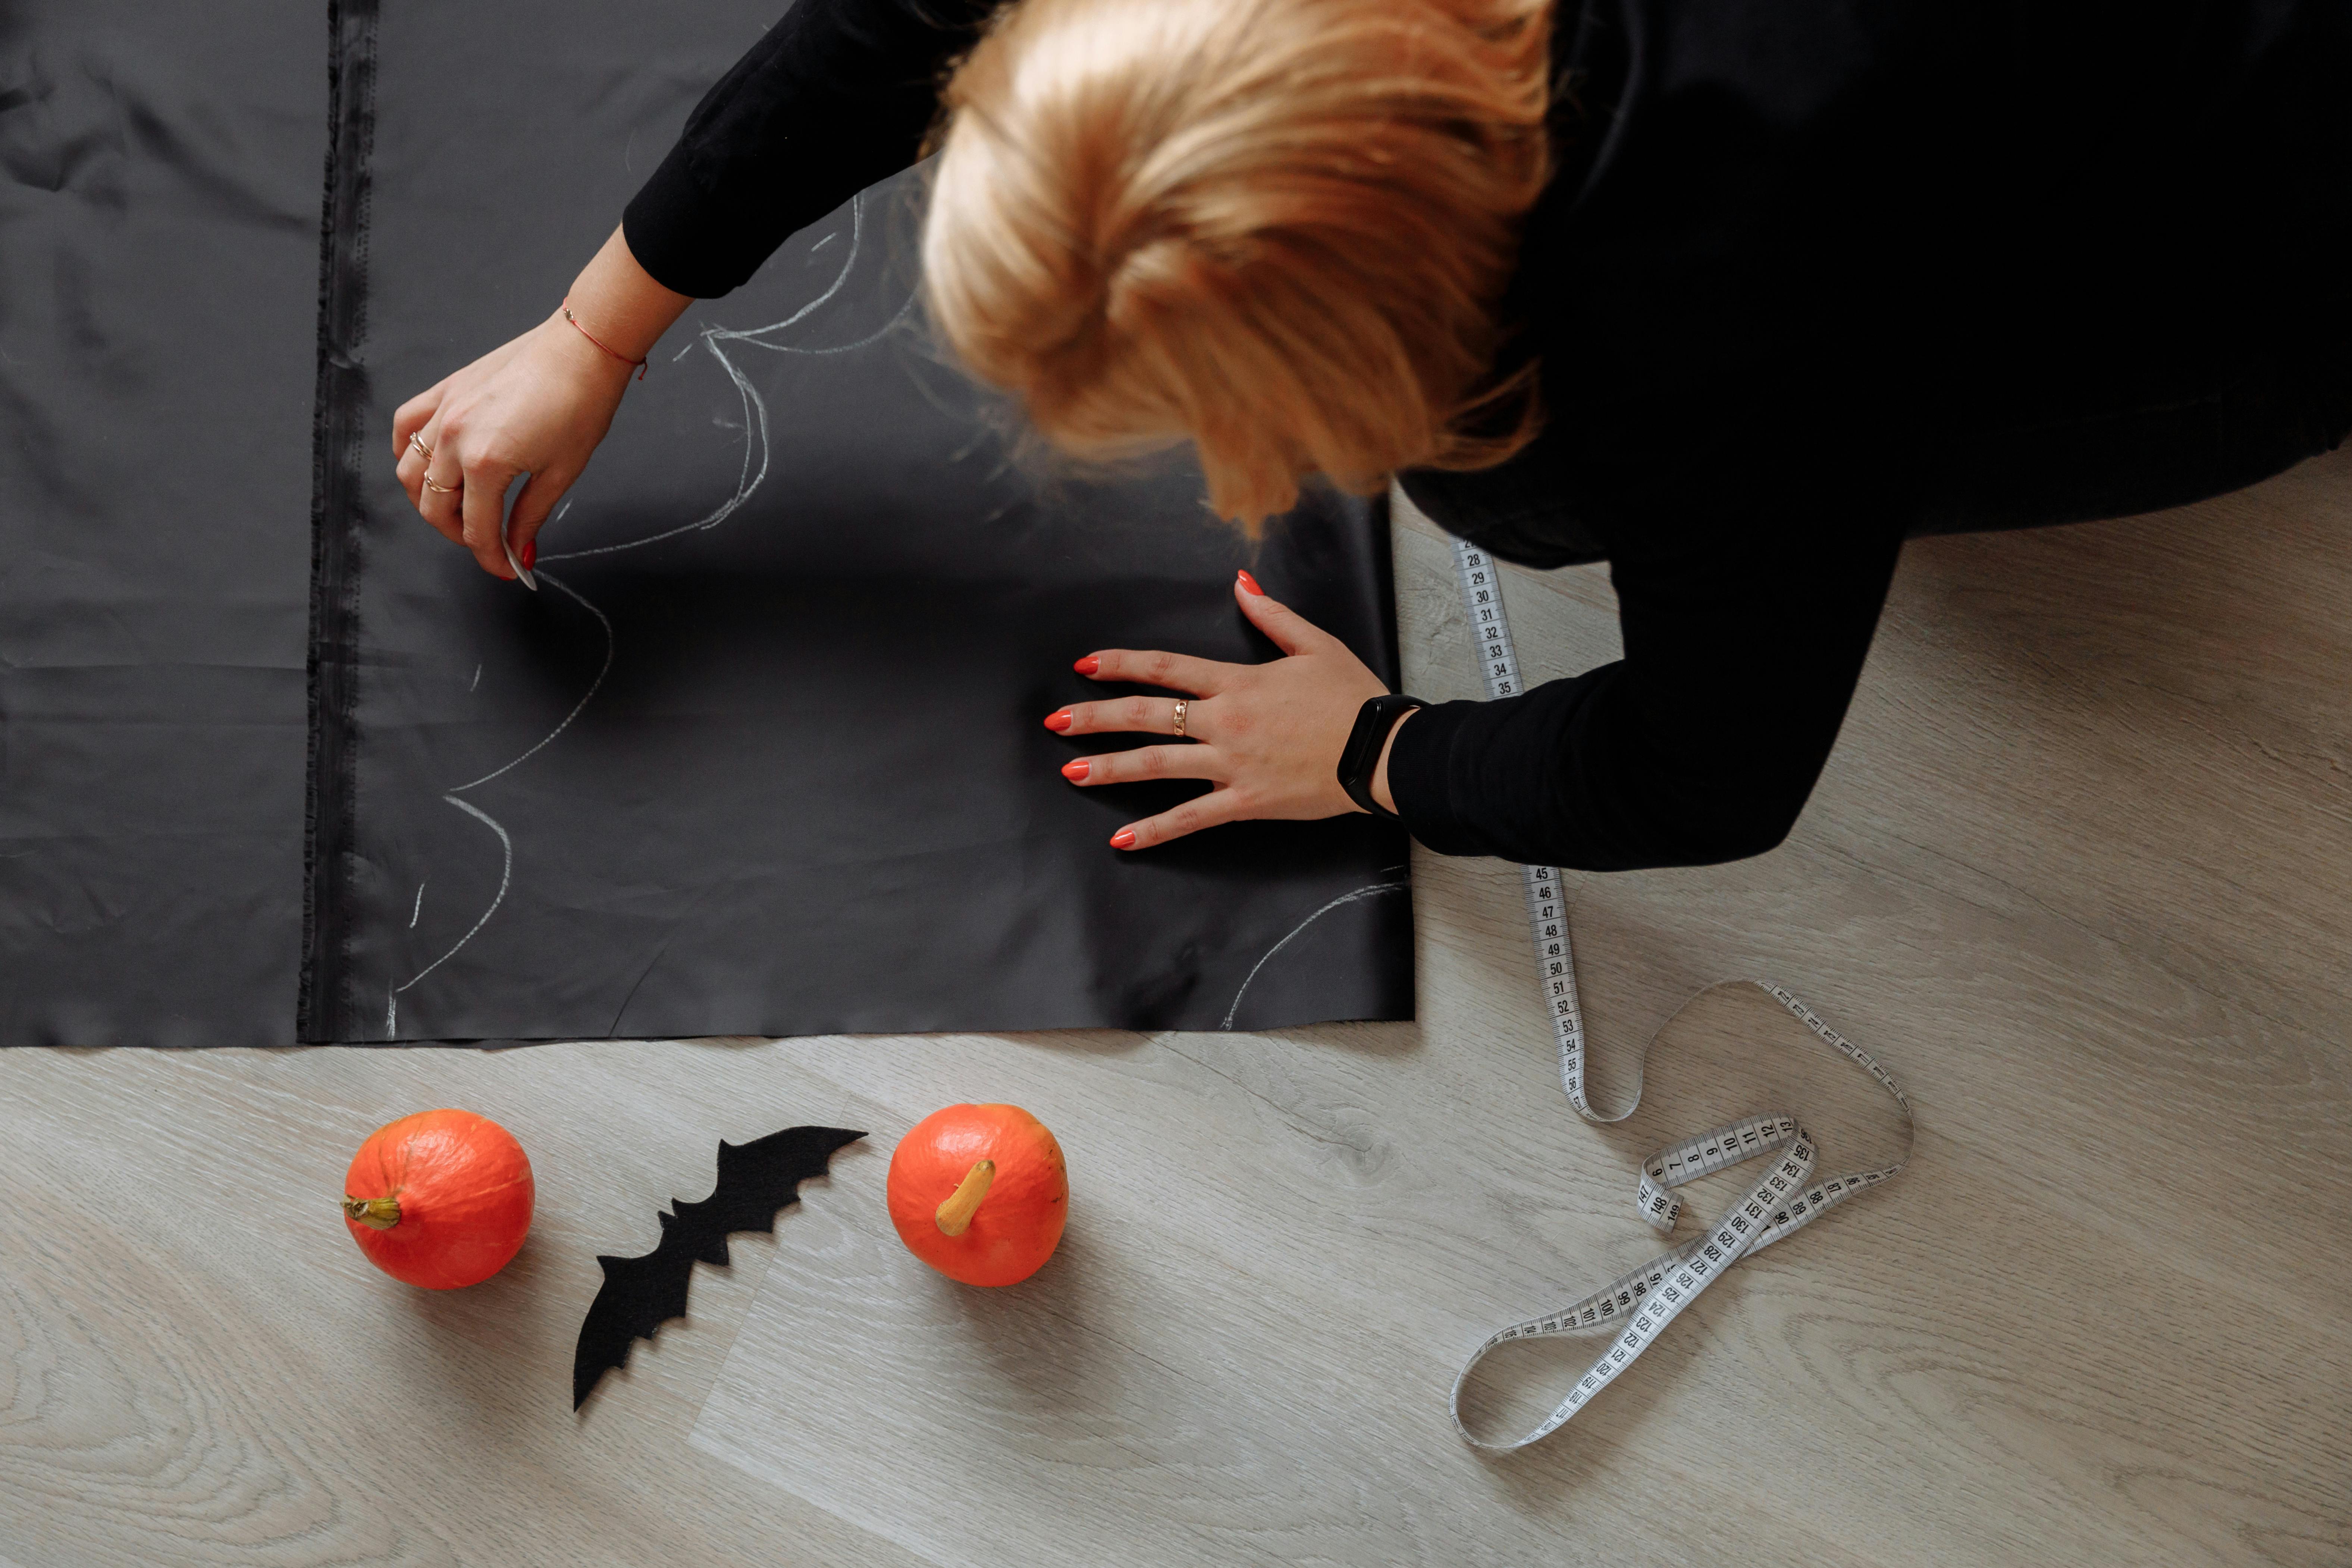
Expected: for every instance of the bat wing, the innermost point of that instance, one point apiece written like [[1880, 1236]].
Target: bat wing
[[640, 1294], [758, 1178]]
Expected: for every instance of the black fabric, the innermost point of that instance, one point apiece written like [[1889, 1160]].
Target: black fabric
[[159, 253], [812, 790], [1811, 278], [765, 754]]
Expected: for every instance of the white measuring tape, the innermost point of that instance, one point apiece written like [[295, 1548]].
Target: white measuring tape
[[1635, 1308]]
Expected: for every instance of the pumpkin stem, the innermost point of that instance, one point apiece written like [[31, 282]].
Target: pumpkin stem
[[376, 1213], [955, 1215]]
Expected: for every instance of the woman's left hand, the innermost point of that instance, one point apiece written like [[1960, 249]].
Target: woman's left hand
[[1267, 736]]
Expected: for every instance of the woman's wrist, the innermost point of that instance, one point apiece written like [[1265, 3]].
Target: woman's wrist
[[617, 307]]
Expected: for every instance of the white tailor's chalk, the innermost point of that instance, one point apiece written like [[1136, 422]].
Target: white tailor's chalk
[[522, 575]]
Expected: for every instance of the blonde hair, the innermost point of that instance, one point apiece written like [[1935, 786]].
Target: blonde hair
[[1281, 228]]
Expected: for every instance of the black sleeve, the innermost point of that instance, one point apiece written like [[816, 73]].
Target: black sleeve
[[1700, 746], [833, 98]]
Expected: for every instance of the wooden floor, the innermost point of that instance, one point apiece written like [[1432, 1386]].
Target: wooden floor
[[2081, 872]]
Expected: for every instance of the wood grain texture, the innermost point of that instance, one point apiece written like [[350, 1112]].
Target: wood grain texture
[[2080, 872]]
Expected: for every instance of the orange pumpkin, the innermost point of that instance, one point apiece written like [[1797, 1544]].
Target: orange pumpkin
[[439, 1199], [980, 1193]]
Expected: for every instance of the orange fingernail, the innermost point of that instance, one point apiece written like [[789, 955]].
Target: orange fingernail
[[1123, 839], [1087, 665], [1250, 582], [1058, 722], [1076, 772]]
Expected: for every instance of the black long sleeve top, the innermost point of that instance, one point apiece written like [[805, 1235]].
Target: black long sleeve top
[[1810, 278]]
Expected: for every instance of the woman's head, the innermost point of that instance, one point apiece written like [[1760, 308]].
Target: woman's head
[[1279, 227]]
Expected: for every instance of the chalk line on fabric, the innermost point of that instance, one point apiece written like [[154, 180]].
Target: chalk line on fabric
[[748, 481], [506, 880], [506, 876], [603, 620], [1369, 890]]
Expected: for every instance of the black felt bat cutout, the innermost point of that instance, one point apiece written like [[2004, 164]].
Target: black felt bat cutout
[[640, 1294]]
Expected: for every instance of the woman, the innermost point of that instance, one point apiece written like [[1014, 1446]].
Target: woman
[[1734, 297]]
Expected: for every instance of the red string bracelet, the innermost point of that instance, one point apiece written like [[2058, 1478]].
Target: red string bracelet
[[602, 344]]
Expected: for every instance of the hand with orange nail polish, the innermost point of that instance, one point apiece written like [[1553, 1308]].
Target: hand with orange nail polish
[[1266, 737]]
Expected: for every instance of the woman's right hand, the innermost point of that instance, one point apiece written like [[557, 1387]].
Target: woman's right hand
[[537, 406]]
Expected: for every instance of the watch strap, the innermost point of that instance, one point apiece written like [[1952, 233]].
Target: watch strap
[[1360, 758]]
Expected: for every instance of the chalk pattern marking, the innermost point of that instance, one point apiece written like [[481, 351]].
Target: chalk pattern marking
[[1371, 890], [748, 481]]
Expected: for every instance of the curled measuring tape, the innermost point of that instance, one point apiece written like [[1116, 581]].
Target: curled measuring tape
[[1634, 1310]]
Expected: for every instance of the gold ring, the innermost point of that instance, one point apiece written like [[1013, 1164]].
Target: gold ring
[[416, 445], [443, 489], [1180, 706]]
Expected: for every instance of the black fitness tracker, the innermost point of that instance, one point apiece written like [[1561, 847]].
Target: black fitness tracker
[[1362, 754]]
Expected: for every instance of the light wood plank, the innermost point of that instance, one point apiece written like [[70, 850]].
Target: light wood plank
[[198, 1366]]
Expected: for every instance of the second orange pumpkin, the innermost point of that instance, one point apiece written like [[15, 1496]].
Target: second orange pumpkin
[[980, 1193]]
